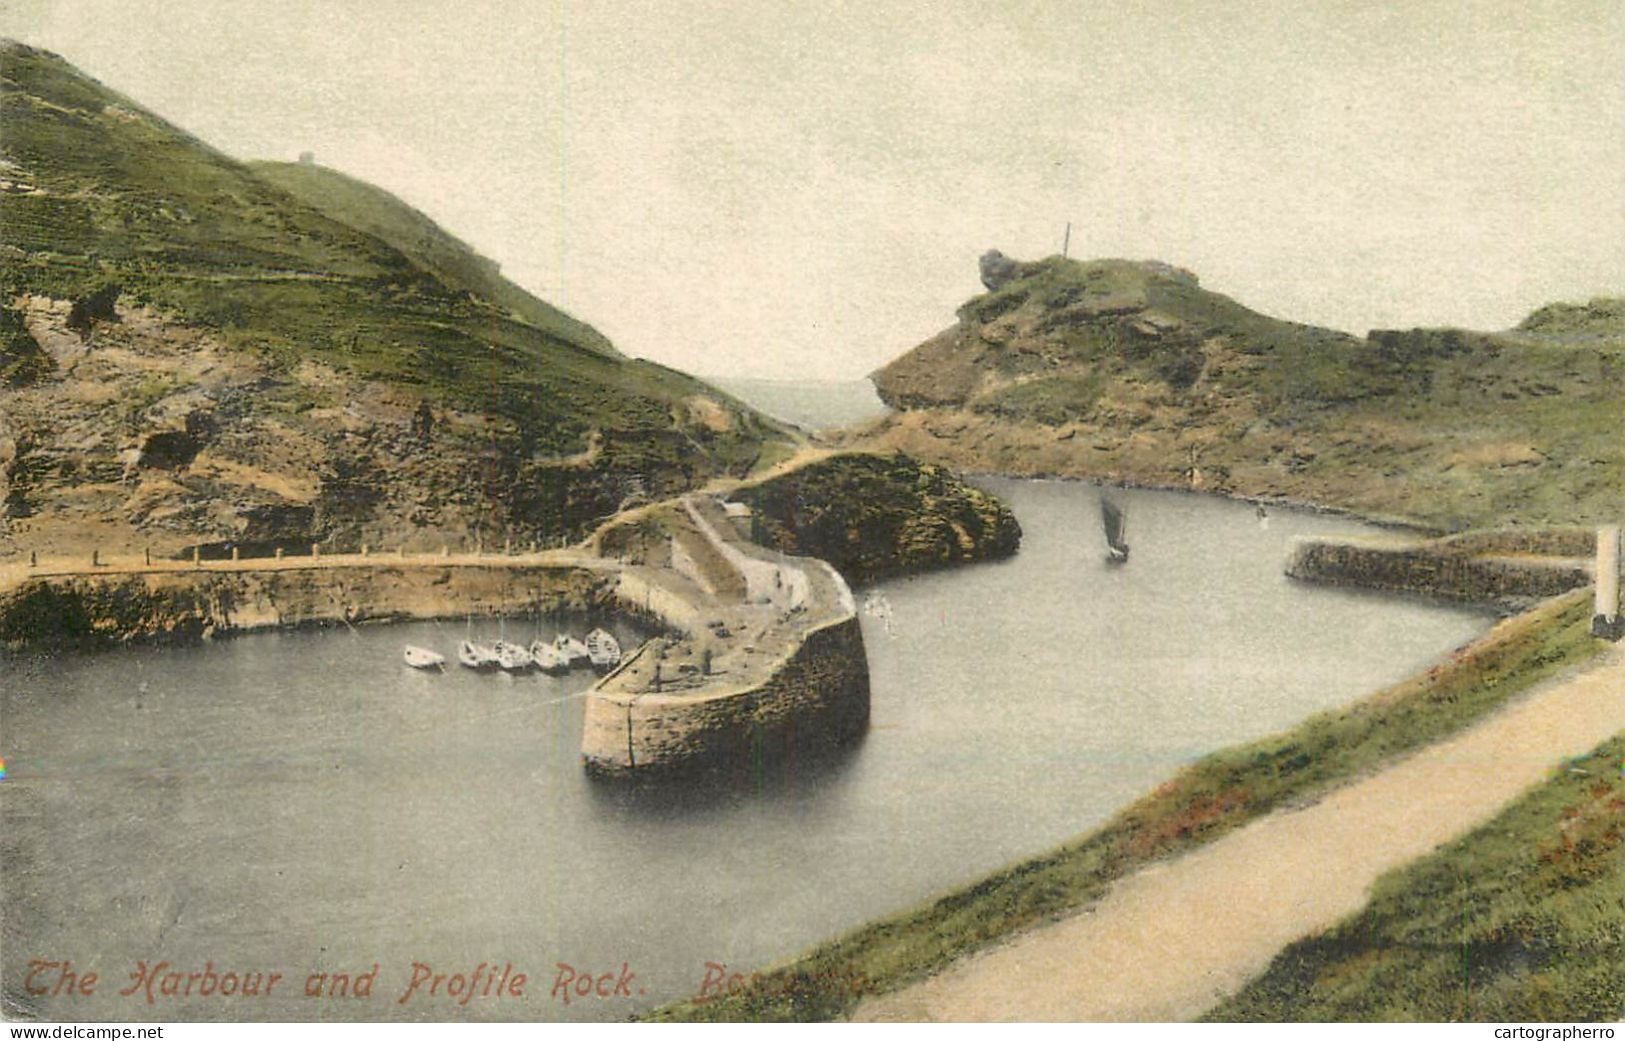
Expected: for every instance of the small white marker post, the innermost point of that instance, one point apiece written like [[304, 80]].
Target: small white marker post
[[1605, 612]]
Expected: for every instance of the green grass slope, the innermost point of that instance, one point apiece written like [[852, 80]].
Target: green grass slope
[[103, 191], [1522, 920], [378, 213]]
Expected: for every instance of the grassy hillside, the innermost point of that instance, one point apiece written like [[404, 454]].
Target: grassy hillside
[[126, 239], [1131, 371], [1518, 921], [378, 213]]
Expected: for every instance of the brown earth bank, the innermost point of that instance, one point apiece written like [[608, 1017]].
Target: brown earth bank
[[1130, 372]]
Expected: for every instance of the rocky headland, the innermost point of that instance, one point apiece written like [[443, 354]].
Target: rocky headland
[[1131, 372]]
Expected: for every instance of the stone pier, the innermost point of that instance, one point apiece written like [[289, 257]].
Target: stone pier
[[771, 667]]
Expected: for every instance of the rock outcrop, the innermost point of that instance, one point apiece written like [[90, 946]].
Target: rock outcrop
[[996, 269], [877, 515]]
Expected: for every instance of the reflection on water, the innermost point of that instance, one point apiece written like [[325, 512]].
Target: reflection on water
[[302, 802], [723, 791]]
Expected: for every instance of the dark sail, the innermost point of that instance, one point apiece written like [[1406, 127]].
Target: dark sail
[[1112, 518]]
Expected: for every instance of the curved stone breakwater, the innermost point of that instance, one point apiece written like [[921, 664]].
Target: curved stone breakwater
[[762, 653], [766, 658]]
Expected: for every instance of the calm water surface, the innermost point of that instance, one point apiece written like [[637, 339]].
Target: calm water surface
[[300, 802], [809, 405]]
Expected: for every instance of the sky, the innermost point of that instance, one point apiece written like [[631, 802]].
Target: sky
[[802, 190]]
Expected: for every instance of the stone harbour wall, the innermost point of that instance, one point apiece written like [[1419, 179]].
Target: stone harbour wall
[[83, 610], [814, 701], [1430, 569]]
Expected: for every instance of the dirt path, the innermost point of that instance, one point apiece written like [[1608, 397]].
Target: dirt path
[[1166, 943]]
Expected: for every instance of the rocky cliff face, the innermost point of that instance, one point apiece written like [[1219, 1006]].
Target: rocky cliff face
[[149, 433], [1130, 371], [872, 516], [192, 354]]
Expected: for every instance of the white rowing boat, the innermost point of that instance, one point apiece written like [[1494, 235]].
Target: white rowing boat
[[603, 650], [423, 658]]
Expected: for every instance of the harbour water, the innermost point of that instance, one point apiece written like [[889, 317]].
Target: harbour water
[[301, 803]]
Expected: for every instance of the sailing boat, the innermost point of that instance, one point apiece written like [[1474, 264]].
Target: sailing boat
[[1115, 523], [477, 656]]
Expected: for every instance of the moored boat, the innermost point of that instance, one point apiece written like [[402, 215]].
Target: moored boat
[[423, 658], [572, 652], [512, 656], [547, 657], [603, 650], [476, 656]]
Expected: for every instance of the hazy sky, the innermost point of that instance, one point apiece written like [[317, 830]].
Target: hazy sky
[[776, 189]]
